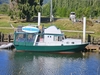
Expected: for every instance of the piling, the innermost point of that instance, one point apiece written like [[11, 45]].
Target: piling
[[89, 38], [2, 37], [84, 28], [9, 37], [6, 37]]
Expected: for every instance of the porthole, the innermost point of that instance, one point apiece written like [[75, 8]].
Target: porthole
[[72, 42]]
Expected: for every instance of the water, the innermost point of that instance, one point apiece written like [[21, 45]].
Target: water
[[32, 63]]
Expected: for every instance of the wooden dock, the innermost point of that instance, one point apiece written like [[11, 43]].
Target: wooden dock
[[92, 47]]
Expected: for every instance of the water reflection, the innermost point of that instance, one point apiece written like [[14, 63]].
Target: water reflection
[[45, 63], [6, 62], [32, 63]]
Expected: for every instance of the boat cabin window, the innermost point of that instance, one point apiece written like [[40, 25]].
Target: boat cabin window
[[20, 37], [67, 42], [30, 37], [49, 36], [72, 42], [58, 38]]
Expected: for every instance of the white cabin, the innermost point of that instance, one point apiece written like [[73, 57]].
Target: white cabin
[[53, 34]]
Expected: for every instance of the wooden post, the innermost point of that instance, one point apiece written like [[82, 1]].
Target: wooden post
[[92, 40], [84, 28], [2, 38], [89, 38], [9, 37]]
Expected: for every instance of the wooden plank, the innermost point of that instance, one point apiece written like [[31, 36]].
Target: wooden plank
[[93, 47], [88, 32]]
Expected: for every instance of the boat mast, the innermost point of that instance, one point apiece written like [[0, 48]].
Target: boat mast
[[51, 15], [84, 28], [39, 21], [39, 18]]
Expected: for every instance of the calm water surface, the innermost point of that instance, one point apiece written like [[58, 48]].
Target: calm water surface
[[32, 63]]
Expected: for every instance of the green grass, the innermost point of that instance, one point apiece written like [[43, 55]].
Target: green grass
[[63, 24]]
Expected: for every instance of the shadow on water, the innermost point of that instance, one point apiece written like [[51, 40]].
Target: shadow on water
[[34, 63], [47, 55]]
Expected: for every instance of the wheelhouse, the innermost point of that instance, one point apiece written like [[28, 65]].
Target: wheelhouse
[[22, 38]]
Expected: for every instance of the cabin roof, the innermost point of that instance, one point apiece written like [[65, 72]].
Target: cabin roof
[[52, 30]]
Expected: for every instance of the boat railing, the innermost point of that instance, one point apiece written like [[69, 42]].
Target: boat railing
[[33, 25]]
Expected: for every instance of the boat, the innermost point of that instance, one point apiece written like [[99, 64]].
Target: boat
[[40, 39], [6, 45], [50, 39]]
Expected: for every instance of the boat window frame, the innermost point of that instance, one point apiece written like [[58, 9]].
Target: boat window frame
[[25, 37], [20, 38], [32, 38], [58, 38]]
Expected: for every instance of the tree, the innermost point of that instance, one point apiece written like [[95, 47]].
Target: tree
[[62, 8], [4, 8], [25, 9]]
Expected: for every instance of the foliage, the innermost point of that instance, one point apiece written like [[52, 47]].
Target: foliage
[[4, 8], [62, 8], [46, 10], [25, 9]]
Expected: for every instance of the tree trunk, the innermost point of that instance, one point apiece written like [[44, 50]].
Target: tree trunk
[[28, 18]]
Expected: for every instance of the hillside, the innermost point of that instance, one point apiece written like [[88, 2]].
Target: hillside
[[62, 23]]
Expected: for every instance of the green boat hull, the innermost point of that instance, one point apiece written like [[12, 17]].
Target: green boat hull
[[67, 48]]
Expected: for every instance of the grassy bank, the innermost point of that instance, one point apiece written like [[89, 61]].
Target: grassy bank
[[64, 24]]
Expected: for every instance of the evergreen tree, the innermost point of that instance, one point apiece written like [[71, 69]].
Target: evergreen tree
[[62, 8], [4, 8], [24, 9]]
